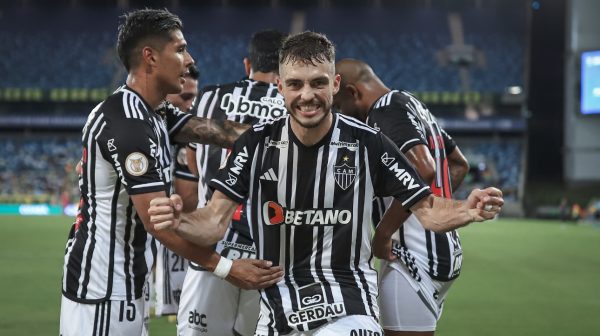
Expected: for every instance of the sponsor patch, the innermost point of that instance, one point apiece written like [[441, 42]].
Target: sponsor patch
[[136, 164]]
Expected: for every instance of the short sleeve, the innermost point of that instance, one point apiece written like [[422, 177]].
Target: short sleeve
[[130, 145], [398, 122], [176, 118], [234, 178], [449, 143], [395, 176]]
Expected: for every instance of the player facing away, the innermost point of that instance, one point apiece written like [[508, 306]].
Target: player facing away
[[126, 163], [171, 268], [209, 305], [314, 218], [415, 282]]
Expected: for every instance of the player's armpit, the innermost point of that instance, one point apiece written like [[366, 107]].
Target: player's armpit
[[221, 133], [254, 274]]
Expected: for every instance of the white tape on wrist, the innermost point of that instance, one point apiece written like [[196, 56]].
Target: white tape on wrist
[[223, 267]]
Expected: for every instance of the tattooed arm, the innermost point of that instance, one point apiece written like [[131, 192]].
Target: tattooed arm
[[222, 133]]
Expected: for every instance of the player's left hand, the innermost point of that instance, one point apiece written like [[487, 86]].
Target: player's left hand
[[382, 248], [484, 204]]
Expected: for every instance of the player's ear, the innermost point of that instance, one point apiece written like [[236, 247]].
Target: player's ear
[[247, 66], [149, 56], [279, 85], [353, 90]]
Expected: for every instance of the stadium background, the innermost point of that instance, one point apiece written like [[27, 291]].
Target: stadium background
[[502, 75]]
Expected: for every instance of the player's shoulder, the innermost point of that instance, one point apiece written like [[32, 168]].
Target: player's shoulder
[[124, 104], [354, 126]]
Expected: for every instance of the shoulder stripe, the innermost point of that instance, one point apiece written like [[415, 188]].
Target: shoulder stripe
[[355, 123]]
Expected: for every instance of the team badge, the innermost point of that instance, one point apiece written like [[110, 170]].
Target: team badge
[[136, 164], [344, 175]]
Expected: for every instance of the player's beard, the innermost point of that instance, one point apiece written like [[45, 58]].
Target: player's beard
[[312, 122]]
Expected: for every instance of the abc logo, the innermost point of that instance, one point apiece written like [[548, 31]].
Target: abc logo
[[197, 318]]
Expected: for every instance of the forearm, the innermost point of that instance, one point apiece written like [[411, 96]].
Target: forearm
[[205, 256], [222, 133], [442, 214], [457, 174], [393, 218]]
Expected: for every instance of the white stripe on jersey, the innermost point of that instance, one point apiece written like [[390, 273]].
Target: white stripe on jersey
[[407, 143], [147, 185], [356, 123], [415, 194], [227, 187]]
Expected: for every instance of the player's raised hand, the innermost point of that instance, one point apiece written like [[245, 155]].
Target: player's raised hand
[[254, 274], [484, 204], [165, 212]]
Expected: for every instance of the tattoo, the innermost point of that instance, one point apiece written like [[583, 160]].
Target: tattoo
[[222, 133]]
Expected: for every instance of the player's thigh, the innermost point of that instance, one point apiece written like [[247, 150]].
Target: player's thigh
[[352, 325], [208, 305], [115, 318], [247, 313], [401, 306]]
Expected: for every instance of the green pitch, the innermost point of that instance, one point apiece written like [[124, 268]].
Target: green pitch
[[520, 277]]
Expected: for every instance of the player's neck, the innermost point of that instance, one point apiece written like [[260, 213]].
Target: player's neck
[[146, 88], [267, 77]]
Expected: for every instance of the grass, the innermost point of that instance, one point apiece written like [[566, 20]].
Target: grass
[[520, 277]]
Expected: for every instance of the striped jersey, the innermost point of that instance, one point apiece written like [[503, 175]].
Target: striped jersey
[[245, 101], [408, 122], [310, 211], [126, 152]]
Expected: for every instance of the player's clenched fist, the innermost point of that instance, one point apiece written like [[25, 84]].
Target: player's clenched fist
[[485, 204], [164, 212]]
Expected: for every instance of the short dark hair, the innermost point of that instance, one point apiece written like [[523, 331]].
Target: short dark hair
[[194, 72], [263, 50], [308, 48], [144, 26]]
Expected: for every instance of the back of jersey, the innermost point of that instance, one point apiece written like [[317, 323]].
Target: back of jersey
[[408, 122]]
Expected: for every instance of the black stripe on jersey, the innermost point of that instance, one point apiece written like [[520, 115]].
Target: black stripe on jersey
[[140, 269], [442, 248], [166, 277], [127, 252], [92, 228], [113, 236], [102, 317], [108, 304], [96, 314]]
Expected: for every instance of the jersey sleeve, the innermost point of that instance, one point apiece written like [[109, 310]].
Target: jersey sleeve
[[397, 120], [395, 176], [129, 144], [176, 118], [234, 178], [449, 143]]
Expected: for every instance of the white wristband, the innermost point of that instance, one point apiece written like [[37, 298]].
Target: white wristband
[[223, 267]]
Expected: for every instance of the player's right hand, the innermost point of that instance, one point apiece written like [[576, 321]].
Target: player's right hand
[[254, 274], [164, 212]]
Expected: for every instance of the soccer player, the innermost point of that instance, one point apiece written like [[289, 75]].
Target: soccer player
[[171, 268], [414, 284], [126, 163], [222, 308], [313, 215]]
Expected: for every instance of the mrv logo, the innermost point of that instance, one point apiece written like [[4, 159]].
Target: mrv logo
[[401, 174], [275, 214], [266, 108], [238, 164]]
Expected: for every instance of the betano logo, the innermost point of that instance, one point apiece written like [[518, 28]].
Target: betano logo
[[268, 108], [275, 214]]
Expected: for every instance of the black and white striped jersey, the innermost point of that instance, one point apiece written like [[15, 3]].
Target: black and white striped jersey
[[245, 101], [310, 211], [126, 151], [408, 122]]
